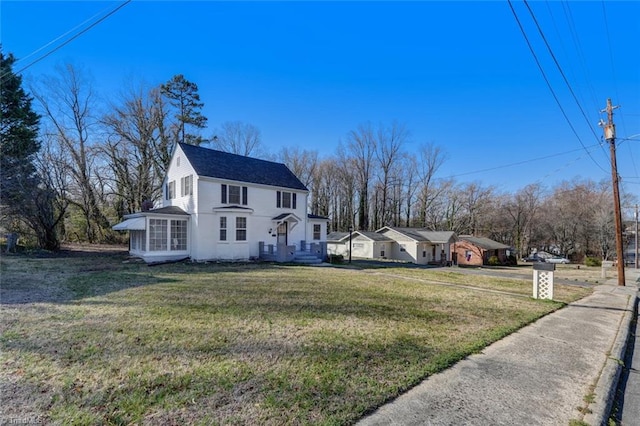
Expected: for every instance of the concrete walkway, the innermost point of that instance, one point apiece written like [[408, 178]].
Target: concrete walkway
[[563, 367]]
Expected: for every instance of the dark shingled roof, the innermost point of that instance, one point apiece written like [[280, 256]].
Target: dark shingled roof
[[483, 243], [337, 236], [315, 216], [168, 210], [223, 165], [374, 236]]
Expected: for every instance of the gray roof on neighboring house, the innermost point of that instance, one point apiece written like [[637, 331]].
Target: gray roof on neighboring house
[[224, 165], [483, 243], [374, 236], [336, 236], [407, 232], [440, 237], [421, 234], [341, 236]]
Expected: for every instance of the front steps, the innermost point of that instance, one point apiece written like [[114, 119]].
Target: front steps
[[306, 258]]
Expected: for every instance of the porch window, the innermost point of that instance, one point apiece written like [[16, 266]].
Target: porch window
[[241, 229], [178, 235], [223, 228], [382, 253], [138, 240], [157, 234], [403, 247], [316, 232]]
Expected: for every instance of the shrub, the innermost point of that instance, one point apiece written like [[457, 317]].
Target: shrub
[[512, 261], [493, 261], [592, 261], [336, 258]]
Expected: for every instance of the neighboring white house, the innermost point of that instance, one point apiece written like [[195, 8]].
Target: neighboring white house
[[405, 244], [364, 244], [222, 206]]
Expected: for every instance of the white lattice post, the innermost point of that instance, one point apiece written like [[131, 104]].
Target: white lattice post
[[543, 280]]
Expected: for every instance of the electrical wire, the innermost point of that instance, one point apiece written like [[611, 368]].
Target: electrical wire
[[578, 46], [68, 40], [555, 97], [564, 77], [615, 80], [531, 160]]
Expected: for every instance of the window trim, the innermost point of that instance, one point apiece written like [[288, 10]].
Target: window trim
[[158, 242], [179, 231], [186, 182], [225, 194], [171, 190], [292, 198], [241, 228], [223, 228]]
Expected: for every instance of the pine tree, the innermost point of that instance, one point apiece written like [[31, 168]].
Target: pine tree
[[183, 96], [19, 143]]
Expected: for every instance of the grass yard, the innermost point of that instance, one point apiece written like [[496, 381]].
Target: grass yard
[[95, 340]]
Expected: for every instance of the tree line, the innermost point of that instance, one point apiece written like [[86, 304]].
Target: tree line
[[72, 166]]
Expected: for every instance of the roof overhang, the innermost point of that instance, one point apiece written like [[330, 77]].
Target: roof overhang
[[233, 209], [290, 218], [133, 224]]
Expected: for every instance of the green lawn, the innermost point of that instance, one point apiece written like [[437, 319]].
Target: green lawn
[[107, 342]]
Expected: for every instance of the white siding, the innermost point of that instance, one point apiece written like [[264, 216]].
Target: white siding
[[175, 172], [260, 210]]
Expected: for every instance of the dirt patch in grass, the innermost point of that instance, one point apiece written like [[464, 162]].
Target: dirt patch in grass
[[108, 341]]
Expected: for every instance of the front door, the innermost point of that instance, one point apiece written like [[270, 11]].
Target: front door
[[282, 233]]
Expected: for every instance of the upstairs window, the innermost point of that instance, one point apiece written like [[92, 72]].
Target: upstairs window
[[186, 186], [233, 194], [171, 190], [285, 200]]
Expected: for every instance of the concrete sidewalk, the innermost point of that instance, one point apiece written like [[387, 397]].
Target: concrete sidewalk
[[563, 367]]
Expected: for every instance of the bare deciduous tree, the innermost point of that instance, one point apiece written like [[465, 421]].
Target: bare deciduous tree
[[67, 105], [134, 149], [238, 138]]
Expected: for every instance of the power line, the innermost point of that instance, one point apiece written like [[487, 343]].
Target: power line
[[615, 80], [68, 40], [555, 97], [504, 166], [564, 77]]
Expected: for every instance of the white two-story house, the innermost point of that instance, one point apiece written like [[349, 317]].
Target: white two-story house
[[222, 206]]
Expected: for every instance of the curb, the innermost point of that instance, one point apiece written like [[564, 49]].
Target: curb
[[607, 385]]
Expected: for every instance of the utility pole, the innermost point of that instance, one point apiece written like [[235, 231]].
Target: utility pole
[[610, 136], [635, 257]]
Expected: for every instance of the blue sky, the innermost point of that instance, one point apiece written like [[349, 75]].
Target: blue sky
[[458, 74]]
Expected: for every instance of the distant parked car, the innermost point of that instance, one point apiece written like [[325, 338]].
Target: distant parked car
[[533, 258], [558, 259]]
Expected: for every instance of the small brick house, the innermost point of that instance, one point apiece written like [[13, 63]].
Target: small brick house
[[476, 251]]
